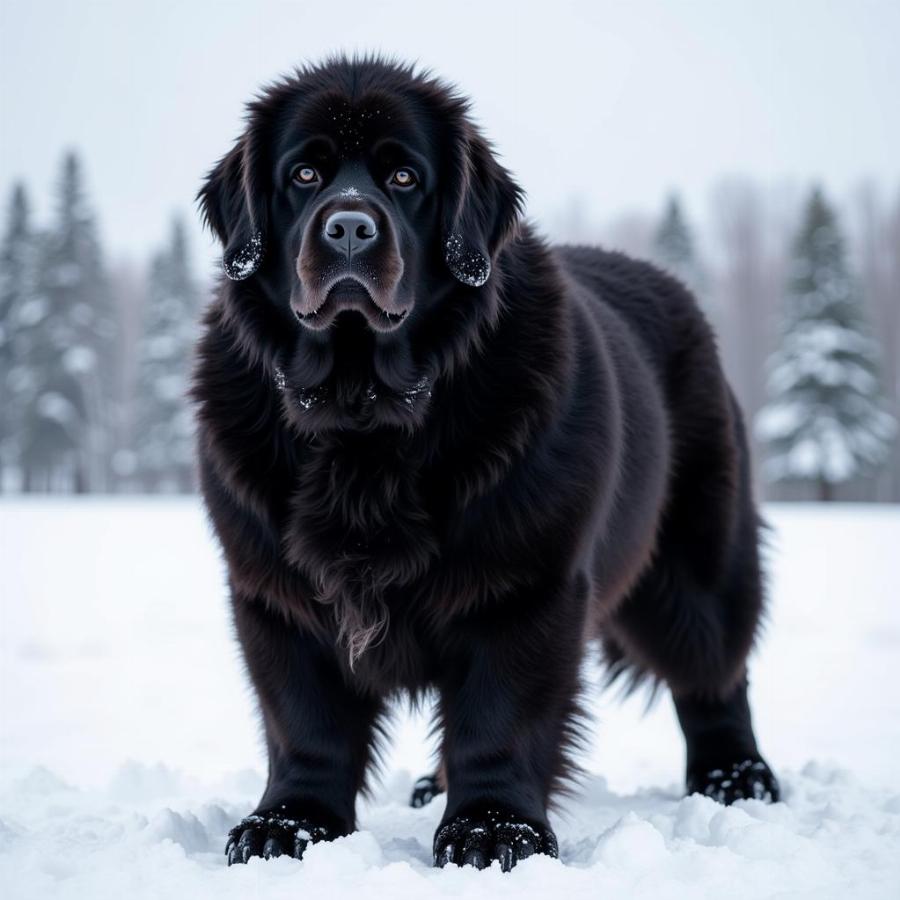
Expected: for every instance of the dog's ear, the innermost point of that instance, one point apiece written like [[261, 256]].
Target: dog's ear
[[234, 205], [480, 210]]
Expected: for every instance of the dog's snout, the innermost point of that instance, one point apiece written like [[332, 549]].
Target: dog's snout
[[350, 230]]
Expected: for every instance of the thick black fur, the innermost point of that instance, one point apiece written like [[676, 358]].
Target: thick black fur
[[425, 483]]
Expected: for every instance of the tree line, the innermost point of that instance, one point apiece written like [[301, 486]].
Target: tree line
[[821, 408], [95, 363], [93, 370]]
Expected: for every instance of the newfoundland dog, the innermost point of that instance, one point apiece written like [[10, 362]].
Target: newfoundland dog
[[442, 455]]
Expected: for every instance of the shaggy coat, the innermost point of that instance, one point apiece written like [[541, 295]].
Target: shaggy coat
[[484, 454]]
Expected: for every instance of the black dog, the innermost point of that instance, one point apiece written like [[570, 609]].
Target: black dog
[[441, 454]]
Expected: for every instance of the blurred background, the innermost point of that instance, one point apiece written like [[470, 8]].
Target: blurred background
[[751, 149]]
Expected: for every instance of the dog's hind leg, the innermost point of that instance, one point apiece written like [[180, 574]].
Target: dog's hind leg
[[692, 618], [723, 761], [693, 641]]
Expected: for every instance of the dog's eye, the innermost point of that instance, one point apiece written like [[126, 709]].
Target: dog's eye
[[403, 178], [305, 175]]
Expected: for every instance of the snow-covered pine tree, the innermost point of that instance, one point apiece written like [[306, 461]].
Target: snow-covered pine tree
[[673, 247], [825, 422], [68, 431], [21, 308], [164, 443]]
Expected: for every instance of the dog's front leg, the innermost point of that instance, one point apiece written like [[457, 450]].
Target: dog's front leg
[[318, 732], [508, 704]]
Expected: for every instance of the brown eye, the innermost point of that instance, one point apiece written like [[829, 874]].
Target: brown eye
[[403, 178], [305, 175]]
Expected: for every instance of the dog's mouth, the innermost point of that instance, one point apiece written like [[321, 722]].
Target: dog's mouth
[[351, 294]]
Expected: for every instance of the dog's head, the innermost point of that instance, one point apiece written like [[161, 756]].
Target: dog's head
[[368, 211]]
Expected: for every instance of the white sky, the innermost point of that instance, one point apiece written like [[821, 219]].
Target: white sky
[[616, 102]]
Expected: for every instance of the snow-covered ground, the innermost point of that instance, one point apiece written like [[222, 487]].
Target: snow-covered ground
[[130, 745]]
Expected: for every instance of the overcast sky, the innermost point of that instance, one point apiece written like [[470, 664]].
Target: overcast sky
[[615, 102]]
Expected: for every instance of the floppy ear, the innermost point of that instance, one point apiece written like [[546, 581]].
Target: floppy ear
[[233, 203], [480, 212]]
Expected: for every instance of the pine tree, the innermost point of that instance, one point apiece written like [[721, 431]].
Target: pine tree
[[164, 442], [825, 422], [20, 309], [69, 423], [673, 246]]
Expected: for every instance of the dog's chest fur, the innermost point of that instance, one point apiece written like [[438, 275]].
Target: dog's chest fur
[[358, 527], [357, 508]]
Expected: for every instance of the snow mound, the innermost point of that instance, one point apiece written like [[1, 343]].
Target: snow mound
[[830, 838]]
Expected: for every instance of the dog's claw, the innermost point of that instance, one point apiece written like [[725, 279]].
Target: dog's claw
[[503, 853], [445, 856], [249, 844], [475, 858], [271, 849]]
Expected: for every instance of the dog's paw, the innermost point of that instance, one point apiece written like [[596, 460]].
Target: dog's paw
[[477, 840], [749, 779], [273, 834], [424, 791]]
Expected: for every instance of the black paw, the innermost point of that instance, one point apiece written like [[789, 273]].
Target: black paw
[[479, 839], [749, 779], [273, 834], [424, 791]]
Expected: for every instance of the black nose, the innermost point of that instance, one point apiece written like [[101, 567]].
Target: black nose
[[350, 230]]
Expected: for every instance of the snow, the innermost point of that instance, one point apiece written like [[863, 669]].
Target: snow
[[242, 263], [130, 745], [53, 405], [466, 264], [79, 359]]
